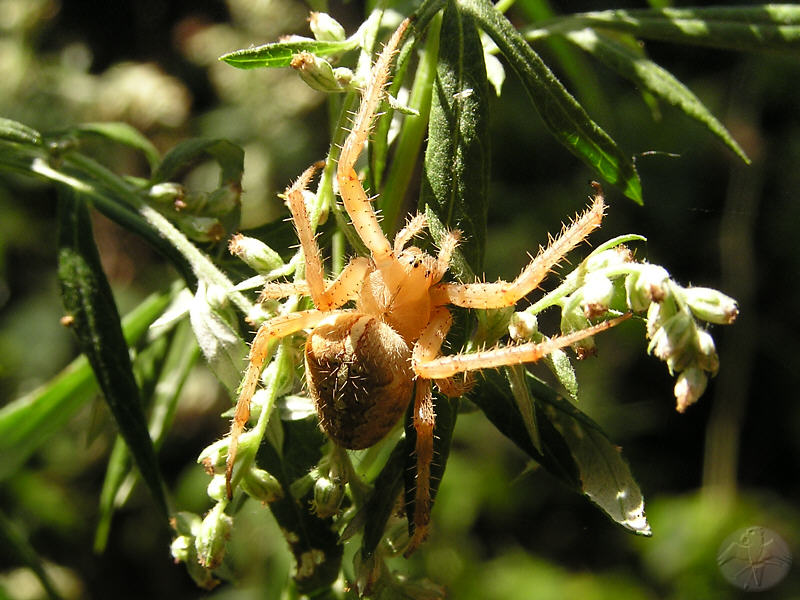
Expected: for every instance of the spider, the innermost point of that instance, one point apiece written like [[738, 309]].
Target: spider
[[364, 365]]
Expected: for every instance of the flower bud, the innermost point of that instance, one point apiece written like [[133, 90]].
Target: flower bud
[[262, 486], [523, 326], [575, 320], [707, 358], [214, 456], [213, 536], [689, 387], [326, 28], [672, 342], [255, 253], [710, 305], [167, 193], [216, 489], [608, 258], [597, 294], [181, 548], [201, 229], [649, 283], [318, 73], [328, 494]]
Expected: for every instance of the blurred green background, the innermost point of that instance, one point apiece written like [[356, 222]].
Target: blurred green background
[[502, 528]]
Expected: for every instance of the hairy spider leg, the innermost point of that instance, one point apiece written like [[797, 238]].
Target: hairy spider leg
[[502, 293], [355, 199], [273, 329], [447, 366], [426, 348]]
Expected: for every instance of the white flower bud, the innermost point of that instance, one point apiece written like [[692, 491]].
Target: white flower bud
[[318, 73], [710, 305], [597, 294], [523, 325], [648, 283], [689, 387], [707, 359], [216, 489], [167, 192], [326, 28], [255, 253], [608, 258], [672, 342]]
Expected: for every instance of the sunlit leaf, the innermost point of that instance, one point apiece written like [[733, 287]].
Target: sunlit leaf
[[457, 159], [14, 131], [646, 74], [562, 114], [121, 133], [90, 306], [772, 27], [280, 54]]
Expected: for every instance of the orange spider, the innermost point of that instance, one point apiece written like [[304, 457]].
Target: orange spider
[[362, 363]]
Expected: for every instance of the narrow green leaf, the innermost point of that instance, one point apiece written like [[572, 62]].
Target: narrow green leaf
[[228, 155], [219, 341], [122, 133], [605, 476], [772, 27], [89, 302], [14, 131], [28, 422], [172, 373], [457, 159], [279, 54], [562, 114], [646, 74]]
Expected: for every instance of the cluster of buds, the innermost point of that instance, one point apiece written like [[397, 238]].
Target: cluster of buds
[[611, 281], [200, 215]]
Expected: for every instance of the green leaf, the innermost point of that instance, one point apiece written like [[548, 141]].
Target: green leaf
[[604, 475], [28, 422], [562, 114], [89, 302], [633, 65], [121, 133], [171, 374], [772, 27], [228, 155], [14, 131], [280, 54], [457, 159], [221, 345], [573, 448]]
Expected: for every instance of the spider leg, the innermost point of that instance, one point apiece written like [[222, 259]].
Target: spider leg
[[275, 328], [413, 227], [355, 199], [503, 293], [424, 424], [447, 366]]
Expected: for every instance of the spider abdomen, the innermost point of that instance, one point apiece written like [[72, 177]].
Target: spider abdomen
[[359, 375]]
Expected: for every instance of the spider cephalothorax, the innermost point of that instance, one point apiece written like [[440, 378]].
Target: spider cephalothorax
[[364, 365]]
